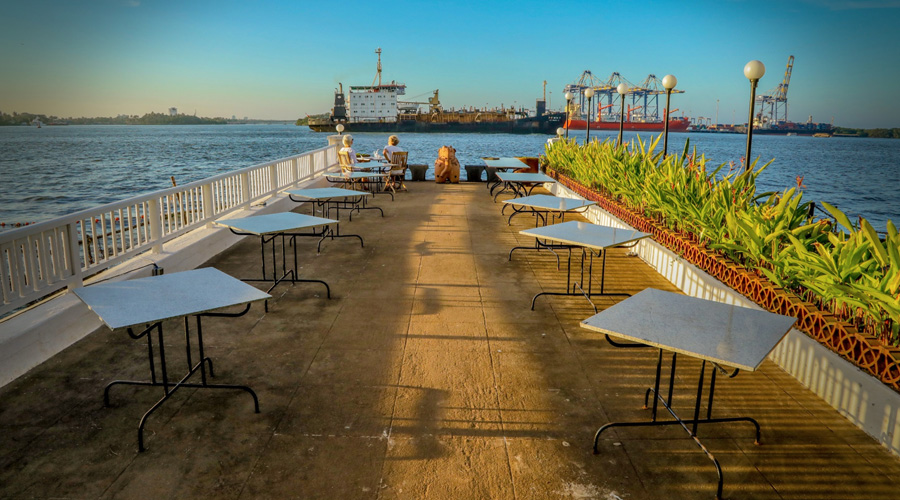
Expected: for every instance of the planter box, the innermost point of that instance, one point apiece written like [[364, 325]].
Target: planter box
[[417, 172], [473, 173]]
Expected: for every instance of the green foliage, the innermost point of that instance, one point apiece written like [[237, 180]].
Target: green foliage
[[848, 268], [887, 133]]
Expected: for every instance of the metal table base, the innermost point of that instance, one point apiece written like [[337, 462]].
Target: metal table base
[[690, 426], [169, 387], [286, 275]]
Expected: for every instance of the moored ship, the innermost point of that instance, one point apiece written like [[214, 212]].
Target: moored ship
[[376, 108], [675, 125]]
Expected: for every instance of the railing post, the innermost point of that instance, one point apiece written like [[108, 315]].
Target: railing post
[[206, 198], [295, 168], [245, 189], [273, 177], [74, 258], [155, 221]]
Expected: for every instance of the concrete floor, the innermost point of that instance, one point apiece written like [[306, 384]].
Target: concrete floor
[[425, 376]]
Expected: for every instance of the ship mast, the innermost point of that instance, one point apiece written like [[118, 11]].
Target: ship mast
[[378, 74]]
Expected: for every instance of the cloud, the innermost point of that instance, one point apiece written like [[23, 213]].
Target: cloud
[[855, 4]]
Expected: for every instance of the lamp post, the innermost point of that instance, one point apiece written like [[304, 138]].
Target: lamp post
[[568, 96], [588, 92], [669, 82], [622, 89], [339, 128], [754, 70]]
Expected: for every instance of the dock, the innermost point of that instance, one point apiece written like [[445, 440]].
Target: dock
[[426, 375]]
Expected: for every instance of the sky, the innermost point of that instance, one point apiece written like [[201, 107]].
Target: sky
[[282, 59]]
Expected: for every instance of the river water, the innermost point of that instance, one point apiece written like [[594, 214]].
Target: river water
[[52, 171]]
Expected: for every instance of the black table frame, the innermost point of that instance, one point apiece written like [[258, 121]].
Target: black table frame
[[542, 217], [345, 203], [517, 188], [169, 388], [372, 186], [294, 278], [570, 285], [667, 404]]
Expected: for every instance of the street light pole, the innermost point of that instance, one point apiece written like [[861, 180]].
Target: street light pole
[[622, 89], [588, 92], [568, 96], [754, 70], [669, 82]]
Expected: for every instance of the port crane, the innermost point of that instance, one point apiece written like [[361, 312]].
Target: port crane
[[773, 105], [644, 98]]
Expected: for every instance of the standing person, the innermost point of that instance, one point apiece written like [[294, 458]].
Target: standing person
[[392, 147], [348, 148]]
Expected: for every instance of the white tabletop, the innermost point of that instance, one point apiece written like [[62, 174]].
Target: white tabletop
[[274, 223], [547, 202], [147, 300], [326, 193], [524, 177], [722, 333], [586, 234], [504, 163]]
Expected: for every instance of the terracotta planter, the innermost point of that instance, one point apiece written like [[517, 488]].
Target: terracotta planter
[[865, 351]]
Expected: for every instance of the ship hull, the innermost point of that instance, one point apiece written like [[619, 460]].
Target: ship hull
[[677, 125], [546, 124], [793, 131]]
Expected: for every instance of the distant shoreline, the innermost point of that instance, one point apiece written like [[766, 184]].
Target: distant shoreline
[[34, 120]]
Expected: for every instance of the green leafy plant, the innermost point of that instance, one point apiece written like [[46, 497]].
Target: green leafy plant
[[844, 267]]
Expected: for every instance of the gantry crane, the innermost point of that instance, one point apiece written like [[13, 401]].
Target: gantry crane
[[773, 106], [644, 98], [578, 102]]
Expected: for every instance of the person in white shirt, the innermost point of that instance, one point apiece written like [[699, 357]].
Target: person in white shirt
[[392, 147], [348, 148]]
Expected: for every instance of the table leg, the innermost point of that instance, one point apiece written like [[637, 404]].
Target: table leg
[[694, 422], [169, 389]]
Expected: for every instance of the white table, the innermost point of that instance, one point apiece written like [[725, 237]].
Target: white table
[[125, 304], [502, 164], [282, 225], [716, 333], [591, 239], [521, 184], [545, 207], [332, 197], [369, 180]]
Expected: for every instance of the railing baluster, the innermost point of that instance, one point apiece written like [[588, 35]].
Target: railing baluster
[[40, 259]]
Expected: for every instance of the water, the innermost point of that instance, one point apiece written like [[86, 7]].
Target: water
[[52, 171]]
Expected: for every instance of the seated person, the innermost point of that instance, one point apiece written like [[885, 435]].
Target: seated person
[[391, 148], [348, 148]]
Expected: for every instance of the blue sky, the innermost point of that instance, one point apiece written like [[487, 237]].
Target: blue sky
[[283, 59]]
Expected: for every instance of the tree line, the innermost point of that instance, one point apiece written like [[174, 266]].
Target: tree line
[[147, 119], [885, 133]]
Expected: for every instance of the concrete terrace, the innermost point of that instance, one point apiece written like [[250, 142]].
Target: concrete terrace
[[425, 376]]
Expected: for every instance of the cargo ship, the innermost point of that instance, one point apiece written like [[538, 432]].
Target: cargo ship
[[675, 125], [376, 108], [793, 128]]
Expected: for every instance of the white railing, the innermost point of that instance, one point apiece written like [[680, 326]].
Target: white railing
[[40, 259]]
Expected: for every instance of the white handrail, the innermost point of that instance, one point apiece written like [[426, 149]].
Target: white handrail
[[42, 258]]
